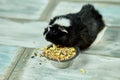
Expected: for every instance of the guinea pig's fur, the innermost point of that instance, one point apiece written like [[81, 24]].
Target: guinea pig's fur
[[75, 29]]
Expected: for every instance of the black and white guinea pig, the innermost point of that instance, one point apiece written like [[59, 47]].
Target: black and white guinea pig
[[75, 29]]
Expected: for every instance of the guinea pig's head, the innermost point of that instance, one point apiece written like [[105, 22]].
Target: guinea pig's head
[[57, 30]]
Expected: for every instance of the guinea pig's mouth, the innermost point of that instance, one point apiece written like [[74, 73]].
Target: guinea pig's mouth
[[53, 40], [49, 38]]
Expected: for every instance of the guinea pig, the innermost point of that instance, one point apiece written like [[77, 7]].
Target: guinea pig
[[75, 29]]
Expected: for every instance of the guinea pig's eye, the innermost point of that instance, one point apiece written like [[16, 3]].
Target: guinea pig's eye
[[54, 31]]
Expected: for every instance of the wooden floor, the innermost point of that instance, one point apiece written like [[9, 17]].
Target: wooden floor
[[21, 31]]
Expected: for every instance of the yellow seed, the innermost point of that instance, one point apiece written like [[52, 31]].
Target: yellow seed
[[73, 53], [82, 70], [43, 49], [54, 46], [73, 49], [59, 53]]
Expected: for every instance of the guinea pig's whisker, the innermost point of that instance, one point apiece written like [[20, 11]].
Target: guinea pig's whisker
[[64, 31]]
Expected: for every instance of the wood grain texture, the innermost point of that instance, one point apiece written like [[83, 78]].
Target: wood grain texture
[[7, 56], [100, 62], [23, 9], [109, 45], [22, 34], [96, 68]]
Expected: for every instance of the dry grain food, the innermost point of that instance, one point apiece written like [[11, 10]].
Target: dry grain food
[[59, 53]]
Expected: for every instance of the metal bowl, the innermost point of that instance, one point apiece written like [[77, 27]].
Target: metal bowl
[[63, 63]]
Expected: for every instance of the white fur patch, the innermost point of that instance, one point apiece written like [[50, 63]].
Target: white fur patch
[[99, 37], [63, 22]]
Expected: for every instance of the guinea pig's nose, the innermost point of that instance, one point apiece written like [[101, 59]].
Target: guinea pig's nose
[[46, 30]]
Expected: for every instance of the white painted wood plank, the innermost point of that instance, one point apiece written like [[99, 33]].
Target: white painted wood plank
[[7, 56], [24, 9], [115, 1], [22, 34], [96, 67], [109, 45]]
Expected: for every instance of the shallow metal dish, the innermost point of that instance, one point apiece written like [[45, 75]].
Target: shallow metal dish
[[63, 63]]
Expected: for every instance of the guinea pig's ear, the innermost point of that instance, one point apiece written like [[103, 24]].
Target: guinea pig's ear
[[53, 20], [62, 29]]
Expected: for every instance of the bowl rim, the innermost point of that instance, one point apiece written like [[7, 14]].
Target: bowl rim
[[77, 53]]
